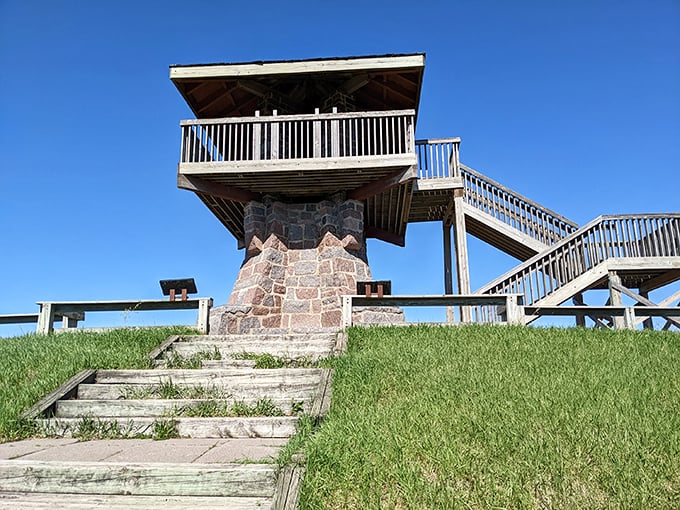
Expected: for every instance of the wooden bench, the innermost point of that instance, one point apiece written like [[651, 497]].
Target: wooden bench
[[73, 311]]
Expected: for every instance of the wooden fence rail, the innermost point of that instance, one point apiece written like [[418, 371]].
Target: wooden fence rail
[[283, 137], [438, 158], [72, 311], [506, 306]]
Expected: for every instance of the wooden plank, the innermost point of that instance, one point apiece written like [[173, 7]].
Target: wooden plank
[[163, 346], [234, 193], [121, 305], [69, 389], [384, 235], [49, 501], [382, 185], [288, 484], [189, 376], [19, 318], [322, 398], [205, 428], [248, 480], [617, 287], [355, 64]]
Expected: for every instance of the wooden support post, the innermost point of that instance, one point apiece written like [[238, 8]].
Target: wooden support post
[[648, 323], [514, 312], [580, 319], [462, 268], [615, 298], [346, 311], [45, 319], [448, 273], [275, 138], [317, 135], [629, 318], [203, 321]]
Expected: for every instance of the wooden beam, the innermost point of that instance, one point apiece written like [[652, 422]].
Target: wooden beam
[[198, 185], [381, 185], [640, 299], [384, 235], [355, 64], [460, 241], [355, 83]]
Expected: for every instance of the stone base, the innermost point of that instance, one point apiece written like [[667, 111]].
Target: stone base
[[300, 260], [378, 316]]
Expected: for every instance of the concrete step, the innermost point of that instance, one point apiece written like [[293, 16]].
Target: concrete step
[[160, 408], [138, 479], [51, 501], [205, 428]]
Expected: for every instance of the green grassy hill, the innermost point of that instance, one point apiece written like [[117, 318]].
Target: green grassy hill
[[500, 417]]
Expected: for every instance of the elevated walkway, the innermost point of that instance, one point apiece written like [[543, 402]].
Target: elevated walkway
[[560, 260]]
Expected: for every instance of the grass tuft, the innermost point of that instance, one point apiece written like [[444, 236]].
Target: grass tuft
[[175, 360]]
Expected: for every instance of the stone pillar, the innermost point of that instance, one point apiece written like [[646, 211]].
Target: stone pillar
[[300, 259]]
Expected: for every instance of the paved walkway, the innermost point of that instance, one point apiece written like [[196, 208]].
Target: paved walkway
[[203, 451]]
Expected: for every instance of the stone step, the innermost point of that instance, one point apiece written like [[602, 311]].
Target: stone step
[[275, 391], [138, 479], [239, 376], [236, 427], [311, 352], [51, 501], [153, 407]]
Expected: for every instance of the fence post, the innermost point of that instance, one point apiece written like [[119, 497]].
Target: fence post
[[203, 321], [346, 311], [514, 312], [45, 318]]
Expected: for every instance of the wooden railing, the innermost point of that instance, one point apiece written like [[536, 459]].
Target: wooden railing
[[504, 308], [648, 235], [514, 209], [283, 137], [438, 158]]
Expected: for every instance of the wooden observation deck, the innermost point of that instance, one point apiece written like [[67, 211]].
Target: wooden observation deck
[[302, 131]]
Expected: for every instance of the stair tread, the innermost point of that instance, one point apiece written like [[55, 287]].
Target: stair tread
[[52, 501]]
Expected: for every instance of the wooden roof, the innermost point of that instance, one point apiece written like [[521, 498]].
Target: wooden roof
[[374, 83]]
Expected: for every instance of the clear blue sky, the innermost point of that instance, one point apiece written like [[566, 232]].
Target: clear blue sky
[[575, 104]]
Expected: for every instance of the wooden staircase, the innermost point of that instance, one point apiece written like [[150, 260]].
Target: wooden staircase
[[224, 399], [642, 250]]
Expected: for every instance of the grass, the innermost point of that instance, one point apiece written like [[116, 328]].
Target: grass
[[33, 365], [194, 361], [167, 389], [499, 417], [266, 360], [216, 408]]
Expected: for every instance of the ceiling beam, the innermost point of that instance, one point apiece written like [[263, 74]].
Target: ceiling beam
[[384, 235], [233, 193], [381, 185]]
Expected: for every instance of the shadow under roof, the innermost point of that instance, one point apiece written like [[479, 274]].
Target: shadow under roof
[[374, 83]]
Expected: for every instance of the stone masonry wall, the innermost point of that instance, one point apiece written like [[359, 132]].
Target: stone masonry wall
[[300, 260]]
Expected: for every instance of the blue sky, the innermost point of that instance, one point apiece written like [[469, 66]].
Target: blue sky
[[574, 104]]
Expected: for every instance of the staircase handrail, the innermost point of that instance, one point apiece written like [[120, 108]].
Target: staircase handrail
[[514, 209], [605, 237]]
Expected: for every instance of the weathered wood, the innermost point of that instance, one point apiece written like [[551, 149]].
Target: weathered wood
[[205, 428], [618, 287], [48, 310], [189, 376], [460, 241], [322, 398], [288, 487], [198, 185], [162, 407], [19, 318], [46, 405], [249, 480], [615, 297], [382, 185], [49, 501], [163, 346]]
